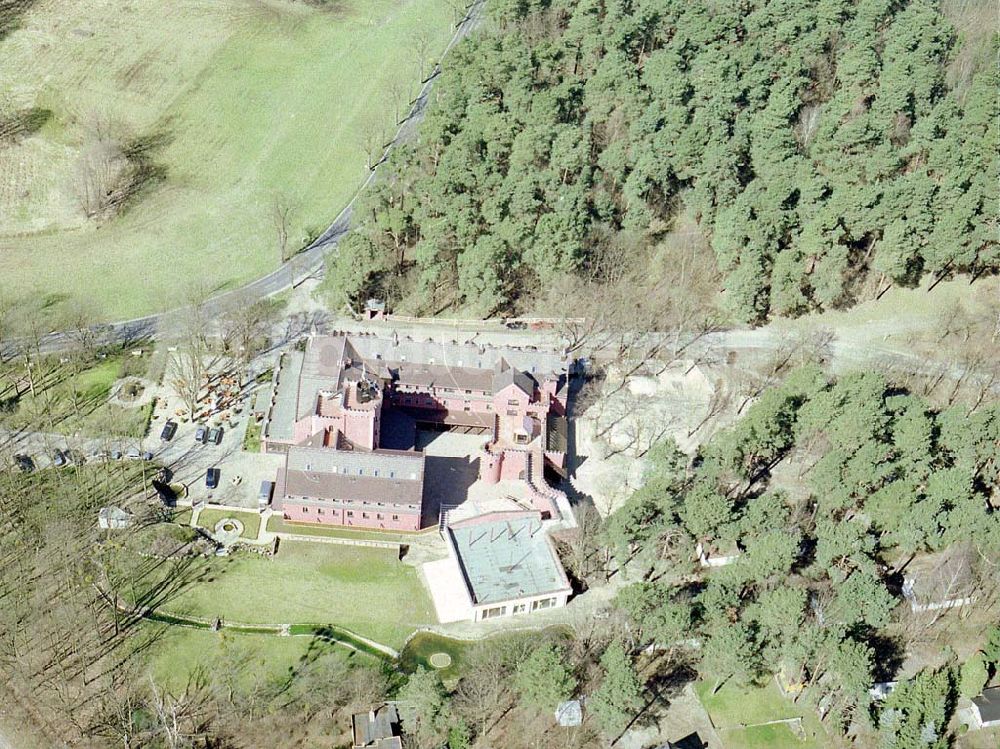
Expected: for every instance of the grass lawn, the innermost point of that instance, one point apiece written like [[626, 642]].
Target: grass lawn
[[367, 591], [276, 524], [72, 399], [422, 646], [180, 650], [778, 736], [251, 520], [234, 102], [983, 739], [734, 707], [251, 439]]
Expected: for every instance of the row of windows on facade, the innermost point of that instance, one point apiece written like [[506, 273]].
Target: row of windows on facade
[[418, 389], [466, 407], [413, 389], [361, 472], [429, 402], [432, 361], [355, 503], [350, 514], [518, 608]]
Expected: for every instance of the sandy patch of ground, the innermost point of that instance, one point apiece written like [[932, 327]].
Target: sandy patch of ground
[[682, 402]]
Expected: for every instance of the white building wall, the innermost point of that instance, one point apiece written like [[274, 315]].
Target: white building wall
[[519, 606]]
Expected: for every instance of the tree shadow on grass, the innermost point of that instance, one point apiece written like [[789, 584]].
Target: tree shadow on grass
[[22, 123], [12, 12]]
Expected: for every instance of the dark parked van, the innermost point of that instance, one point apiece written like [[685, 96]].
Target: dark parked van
[[264, 496], [169, 430], [212, 478]]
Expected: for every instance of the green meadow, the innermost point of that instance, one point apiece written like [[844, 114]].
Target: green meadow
[[231, 104]]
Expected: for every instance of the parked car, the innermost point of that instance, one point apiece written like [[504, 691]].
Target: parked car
[[59, 459], [212, 478], [133, 453], [116, 454], [100, 456], [147, 455], [215, 435], [168, 432], [26, 464], [200, 434]]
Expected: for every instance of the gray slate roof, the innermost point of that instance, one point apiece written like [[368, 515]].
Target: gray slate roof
[[505, 375], [453, 354], [372, 730], [283, 414], [113, 517], [989, 704], [380, 476]]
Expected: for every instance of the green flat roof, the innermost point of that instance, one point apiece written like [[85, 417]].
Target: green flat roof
[[508, 559]]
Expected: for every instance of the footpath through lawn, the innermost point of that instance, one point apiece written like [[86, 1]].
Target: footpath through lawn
[[364, 590], [179, 651]]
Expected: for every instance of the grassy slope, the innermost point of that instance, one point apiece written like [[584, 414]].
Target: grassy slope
[[251, 101], [365, 590], [180, 650], [53, 409]]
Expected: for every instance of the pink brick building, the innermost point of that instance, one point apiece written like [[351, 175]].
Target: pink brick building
[[329, 405], [378, 489]]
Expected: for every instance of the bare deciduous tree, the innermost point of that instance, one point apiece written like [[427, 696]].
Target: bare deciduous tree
[[190, 357], [373, 143], [244, 327], [420, 45], [397, 96], [103, 171], [78, 321], [282, 212]]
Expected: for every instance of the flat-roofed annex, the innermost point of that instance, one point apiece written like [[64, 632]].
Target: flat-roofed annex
[[508, 560]]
